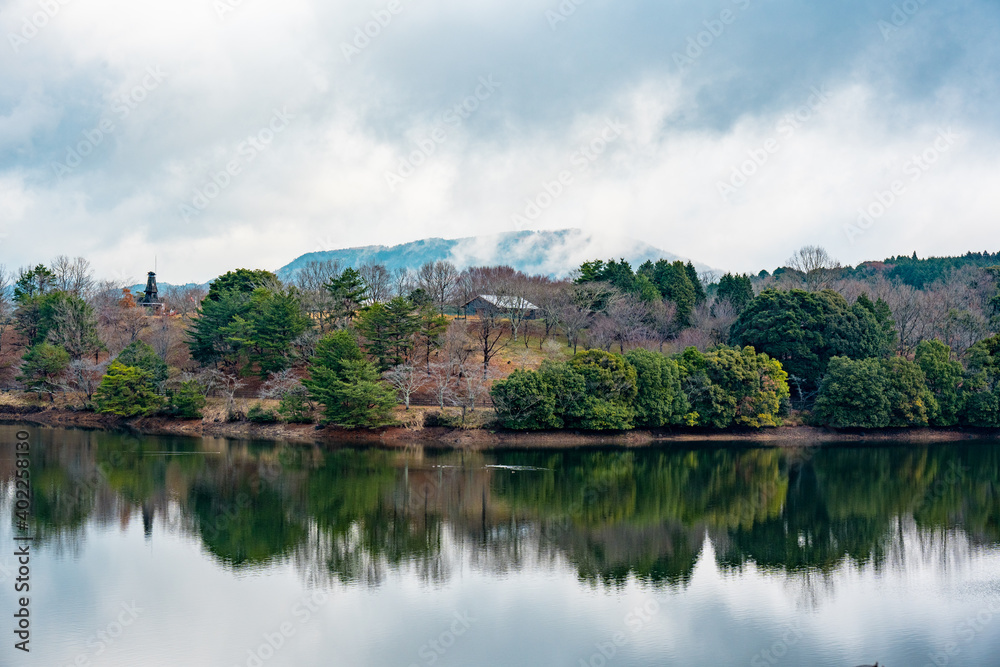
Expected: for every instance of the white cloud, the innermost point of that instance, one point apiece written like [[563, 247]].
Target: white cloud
[[322, 180]]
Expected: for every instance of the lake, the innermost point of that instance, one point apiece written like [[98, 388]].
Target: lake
[[158, 551]]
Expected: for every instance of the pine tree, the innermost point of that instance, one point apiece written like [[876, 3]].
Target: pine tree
[[388, 329], [348, 291], [41, 368], [347, 385], [125, 391]]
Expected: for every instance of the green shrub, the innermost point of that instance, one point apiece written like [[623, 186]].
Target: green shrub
[[295, 407], [140, 355], [125, 391], [441, 420], [186, 401], [659, 401], [874, 393], [524, 402], [944, 379], [728, 386], [595, 390], [258, 414]]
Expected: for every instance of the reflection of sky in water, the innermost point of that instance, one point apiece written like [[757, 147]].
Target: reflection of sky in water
[[449, 558], [196, 612]]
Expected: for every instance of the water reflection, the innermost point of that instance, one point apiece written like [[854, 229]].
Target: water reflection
[[355, 516]]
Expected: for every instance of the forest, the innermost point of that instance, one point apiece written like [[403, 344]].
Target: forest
[[898, 343]]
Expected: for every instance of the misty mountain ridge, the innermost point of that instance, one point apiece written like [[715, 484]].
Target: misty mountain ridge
[[552, 253]]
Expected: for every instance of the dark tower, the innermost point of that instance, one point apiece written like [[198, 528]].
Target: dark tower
[[150, 299]]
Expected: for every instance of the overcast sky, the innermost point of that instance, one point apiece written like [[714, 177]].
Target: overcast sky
[[222, 133]]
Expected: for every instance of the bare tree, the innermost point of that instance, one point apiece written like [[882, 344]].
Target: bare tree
[[162, 335], [628, 315], [701, 338], [406, 380], [402, 282], [441, 379], [963, 329], [471, 387], [602, 332], [489, 333], [513, 294], [438, 279], [6, 302], [311, 280], [813, 262], [661, 321], [119, 318], [184, 301], [458, 344], [723, 317], [811, 258], [226, 384], [75, 328], [546, 295], [906, 306], [378, 281], [84, 375], [73, 275], [304, 346], [574, 317], [278, 384]]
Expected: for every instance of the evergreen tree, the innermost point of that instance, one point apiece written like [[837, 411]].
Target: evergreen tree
[[981, 387], [736, 289], [659, 401], [125, 391], [944, 379], [209, 334], [275, 320], [348, 291], [41, 368], [249, 332], [431, 327], [699, 289], [388, 329], [874, 393], [34, 282], [347, 385], [728, 386], [140, 355], [804, 330], [68, 321], [243, 281], [673, 282], [186, 401], [524, 401]]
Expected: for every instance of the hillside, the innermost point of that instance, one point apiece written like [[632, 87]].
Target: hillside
[[553, 253]]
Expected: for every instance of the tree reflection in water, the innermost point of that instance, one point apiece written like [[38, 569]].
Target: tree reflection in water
[[360, 515]]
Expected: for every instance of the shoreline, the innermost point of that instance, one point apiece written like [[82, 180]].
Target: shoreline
[[475, 438]]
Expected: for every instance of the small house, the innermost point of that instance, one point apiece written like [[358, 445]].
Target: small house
[[491, 304]]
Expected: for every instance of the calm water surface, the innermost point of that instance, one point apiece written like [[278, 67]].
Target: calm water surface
[[224, 553]]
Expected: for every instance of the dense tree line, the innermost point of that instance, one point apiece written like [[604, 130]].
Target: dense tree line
[[897, 343], [599, 391]]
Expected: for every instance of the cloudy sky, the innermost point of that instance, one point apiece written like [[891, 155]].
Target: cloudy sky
[[223, 133]]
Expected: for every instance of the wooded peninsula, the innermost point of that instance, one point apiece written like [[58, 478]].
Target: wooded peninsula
[[900, 343]]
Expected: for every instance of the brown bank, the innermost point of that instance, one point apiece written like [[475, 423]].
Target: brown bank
[[473, 438]]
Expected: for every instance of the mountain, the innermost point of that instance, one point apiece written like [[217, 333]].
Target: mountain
[[553, 253]]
